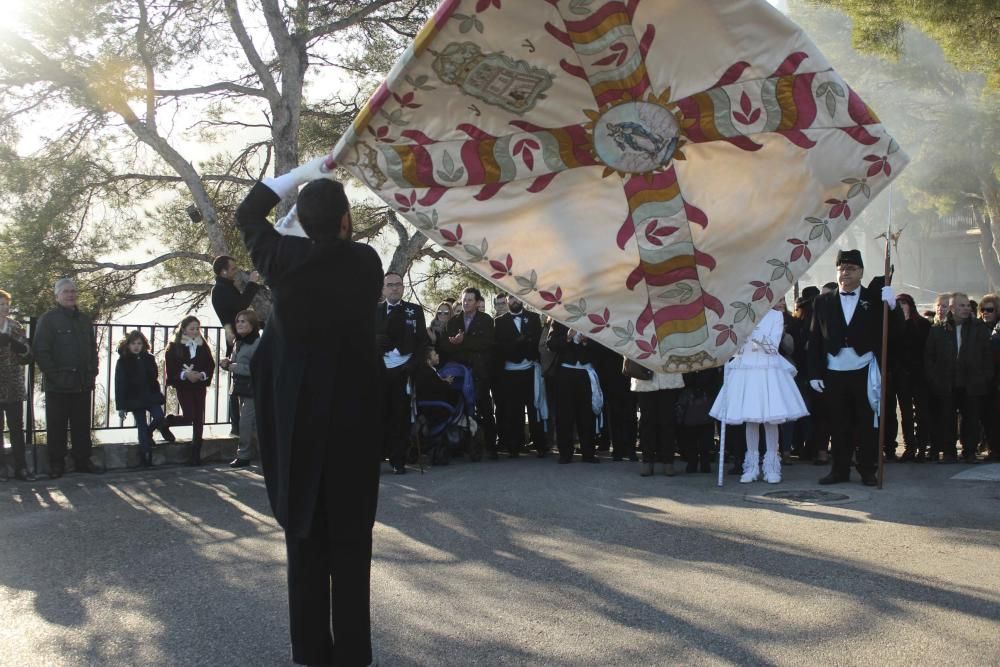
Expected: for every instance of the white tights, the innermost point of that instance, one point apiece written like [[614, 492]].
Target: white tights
[[751, 461]]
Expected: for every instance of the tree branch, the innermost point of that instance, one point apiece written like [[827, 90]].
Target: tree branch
[[218, 87], [263, 73], [88, 267], [166, 291], [348, 21]]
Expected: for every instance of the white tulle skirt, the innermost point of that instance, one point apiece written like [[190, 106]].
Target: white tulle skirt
[[759, 388]]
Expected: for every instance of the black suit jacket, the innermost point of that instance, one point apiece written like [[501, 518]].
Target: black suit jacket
[[227, 301], [830, 332], [475, 350], [404, 329], [316, 373], [514, 345]]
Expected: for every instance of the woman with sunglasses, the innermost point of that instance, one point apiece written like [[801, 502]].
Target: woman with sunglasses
[[440, 322]]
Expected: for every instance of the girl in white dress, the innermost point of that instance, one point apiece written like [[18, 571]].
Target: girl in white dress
[[759, 388]]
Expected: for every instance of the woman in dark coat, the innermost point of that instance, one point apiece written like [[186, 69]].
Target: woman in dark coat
[[317, 378], [137, 390], [190, 366]]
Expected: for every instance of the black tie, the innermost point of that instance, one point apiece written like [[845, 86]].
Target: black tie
[[847, 294]]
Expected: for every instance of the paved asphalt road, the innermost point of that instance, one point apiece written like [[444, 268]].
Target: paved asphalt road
[[516, 562]]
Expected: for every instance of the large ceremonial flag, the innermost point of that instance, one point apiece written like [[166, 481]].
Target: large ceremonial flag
[[653, 173]]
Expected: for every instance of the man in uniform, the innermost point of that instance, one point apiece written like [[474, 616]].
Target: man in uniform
[[518, 333], [845, 341], [317, 384], [401, 332]]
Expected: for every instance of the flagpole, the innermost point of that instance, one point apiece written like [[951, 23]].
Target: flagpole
[[884, 388]]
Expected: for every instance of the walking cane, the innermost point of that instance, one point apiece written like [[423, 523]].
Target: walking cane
[[722, 452]]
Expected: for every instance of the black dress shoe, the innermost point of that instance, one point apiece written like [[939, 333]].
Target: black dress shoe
[[634, 458], [87, 467], [56, 473], [24, 475], [3, 473], [166, 433], [239, 463], [398, 470], [565, 459], [971, 459], [591, 459], [834, 478], [869, 479]]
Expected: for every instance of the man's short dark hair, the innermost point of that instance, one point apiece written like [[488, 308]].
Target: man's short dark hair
[[221, 263], [320, 206], [474, 291], [392, 273], [501, 295], [831, 285]]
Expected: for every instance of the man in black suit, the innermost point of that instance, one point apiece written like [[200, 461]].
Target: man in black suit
[[402, 336], [577, 383], [518, 333], [469, 340], [317, 384], [845, 342]]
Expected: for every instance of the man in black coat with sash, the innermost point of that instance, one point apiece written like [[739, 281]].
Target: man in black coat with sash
[[401, 332], [845, 343], [317, 383], [518, 334]]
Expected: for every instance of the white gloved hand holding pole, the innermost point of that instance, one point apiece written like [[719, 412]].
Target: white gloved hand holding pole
[[817, 386], [889, 297], [321, 167]]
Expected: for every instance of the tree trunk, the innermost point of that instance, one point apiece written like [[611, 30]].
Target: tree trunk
[[988, 222]]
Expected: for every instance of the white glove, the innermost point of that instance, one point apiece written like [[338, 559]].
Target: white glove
[[817, 386], [889, 297], [290, 225], [320, 167]]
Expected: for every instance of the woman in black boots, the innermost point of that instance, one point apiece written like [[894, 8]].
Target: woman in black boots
[[137, 390], [190, 366]]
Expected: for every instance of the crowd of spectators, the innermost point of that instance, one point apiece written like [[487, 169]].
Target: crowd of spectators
[[519, 382]]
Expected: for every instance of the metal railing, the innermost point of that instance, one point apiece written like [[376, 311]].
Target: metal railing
[[104, 413]]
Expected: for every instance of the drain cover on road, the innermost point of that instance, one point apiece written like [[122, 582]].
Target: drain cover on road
[[807, 497]]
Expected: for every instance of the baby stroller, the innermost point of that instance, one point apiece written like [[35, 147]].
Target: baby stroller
[[446, 429]]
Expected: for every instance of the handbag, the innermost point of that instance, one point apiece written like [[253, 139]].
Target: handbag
[[242, 386], [636, 371]]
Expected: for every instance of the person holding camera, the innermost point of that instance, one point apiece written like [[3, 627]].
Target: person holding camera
[[190, 366], [247, 327]]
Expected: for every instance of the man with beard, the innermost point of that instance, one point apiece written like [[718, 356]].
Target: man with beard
[[402, 336], [317, 383], [518, 333]]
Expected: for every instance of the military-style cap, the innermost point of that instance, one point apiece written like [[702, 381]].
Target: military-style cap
[[850, 257]]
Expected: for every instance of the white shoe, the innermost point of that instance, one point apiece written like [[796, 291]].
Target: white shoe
[[772, 468], [772, 477], [750, 476]]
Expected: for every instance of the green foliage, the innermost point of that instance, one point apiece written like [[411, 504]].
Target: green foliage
[[968, 31]]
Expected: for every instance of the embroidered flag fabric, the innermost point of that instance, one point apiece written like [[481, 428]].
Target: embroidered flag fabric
[[652, 173]]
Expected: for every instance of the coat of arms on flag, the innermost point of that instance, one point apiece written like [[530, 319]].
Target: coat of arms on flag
[[653, 173]]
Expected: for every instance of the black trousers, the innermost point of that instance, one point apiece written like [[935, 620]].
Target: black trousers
[[851, 421], [658, 425], [396, 406], [518, 392], [620, 409], [574, 408], [698, 440], [914, 419], [485, 413], [70, 410], [14, 414], [948, 407], [329, 593]]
